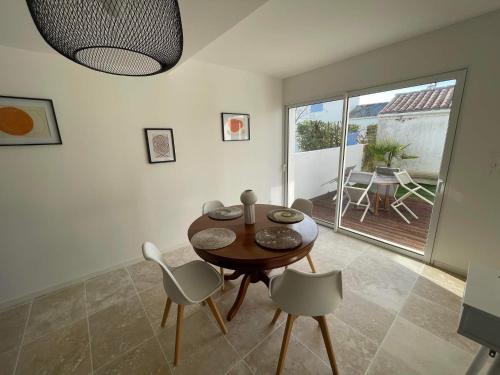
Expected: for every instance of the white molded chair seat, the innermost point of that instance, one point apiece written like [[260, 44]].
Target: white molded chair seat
[[301, 293], [190, 283], [315, 295], [306, 207], [199, 280]]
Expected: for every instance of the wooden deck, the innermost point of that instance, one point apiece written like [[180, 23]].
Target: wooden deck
[[387, 225]]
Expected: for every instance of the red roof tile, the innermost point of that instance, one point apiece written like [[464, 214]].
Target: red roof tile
[[427, 100]]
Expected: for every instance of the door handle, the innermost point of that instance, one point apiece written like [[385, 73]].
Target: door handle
[[440, 186]]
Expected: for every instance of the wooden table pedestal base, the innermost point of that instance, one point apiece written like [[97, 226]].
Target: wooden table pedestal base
[[252, 277]]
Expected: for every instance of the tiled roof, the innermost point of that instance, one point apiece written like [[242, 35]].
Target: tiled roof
[[367, 110], [426, 100]]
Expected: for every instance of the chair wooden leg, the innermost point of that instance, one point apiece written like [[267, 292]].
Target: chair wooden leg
[[178, 334], [222, 274], [286, 340], [217, 316], [328, 343], [165, 312], [276, 315], [311, 264]]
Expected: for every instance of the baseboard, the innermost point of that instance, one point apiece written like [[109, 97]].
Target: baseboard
[[452, 269], [28, 297]]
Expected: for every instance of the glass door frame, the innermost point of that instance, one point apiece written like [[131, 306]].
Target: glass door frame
[[286, 144], [460, 77]]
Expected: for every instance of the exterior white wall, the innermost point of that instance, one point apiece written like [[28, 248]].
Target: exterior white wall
[[314, 168], [87, 205], [425, 132], [469, 220]]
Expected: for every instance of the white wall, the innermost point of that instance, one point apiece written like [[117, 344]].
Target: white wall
[[470, 218], [87, 205], [424, 132], [312, 169]]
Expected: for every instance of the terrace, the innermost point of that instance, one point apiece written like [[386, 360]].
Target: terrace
[[387, 225]]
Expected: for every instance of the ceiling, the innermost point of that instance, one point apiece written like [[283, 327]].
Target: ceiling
[[281, 38], [203, 21], [286, 37]]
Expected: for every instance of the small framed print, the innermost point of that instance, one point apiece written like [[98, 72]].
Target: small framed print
[[235, 126], [160, 143], [28, 121]]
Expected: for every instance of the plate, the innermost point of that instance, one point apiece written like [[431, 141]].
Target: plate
[[226, 213], [213, 238], [285, 216], [278, 238]]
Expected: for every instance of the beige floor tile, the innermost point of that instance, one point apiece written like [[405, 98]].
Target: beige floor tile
[[437, 293], [424, 352], [439, 320], [54, 311], [444, 280], [8, 361], [299, 359], [145, 274], [12, 323], [352, 350], [240, 369], [386, 364], [380, 280], [154, 302], [108, 289], [147, 358], [367, 317], [252, 322], [204, 350], [117, 329], [65, 351]]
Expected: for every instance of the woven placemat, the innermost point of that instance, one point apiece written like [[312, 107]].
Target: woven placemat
[[278, 238], [213, 238], [285, 216], [226, 213]]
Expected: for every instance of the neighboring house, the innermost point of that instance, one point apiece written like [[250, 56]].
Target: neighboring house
[[421, 120], [330, 111], [365, 114]]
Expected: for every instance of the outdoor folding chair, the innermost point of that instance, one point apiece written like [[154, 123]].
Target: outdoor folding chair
[[358, 195], [347, 172], [412, 188]]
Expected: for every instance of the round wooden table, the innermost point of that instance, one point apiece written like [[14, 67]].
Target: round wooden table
[[245, 257]]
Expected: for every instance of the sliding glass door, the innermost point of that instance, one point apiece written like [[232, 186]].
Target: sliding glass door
[[374, 162], [314, 144]]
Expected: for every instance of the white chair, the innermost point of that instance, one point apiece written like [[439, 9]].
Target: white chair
[[358, 195], [305, 206], [412, 188], [347, 171], [205, 209], [306, 294], [193, 282]]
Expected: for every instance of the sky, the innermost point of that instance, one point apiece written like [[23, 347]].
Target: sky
[[387, 96]]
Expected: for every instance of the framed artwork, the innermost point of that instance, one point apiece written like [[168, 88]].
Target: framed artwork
[[161, 147], [235, 126], [28, 121]]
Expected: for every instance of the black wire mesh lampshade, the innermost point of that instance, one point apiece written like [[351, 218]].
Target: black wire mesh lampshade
[[124, 37]]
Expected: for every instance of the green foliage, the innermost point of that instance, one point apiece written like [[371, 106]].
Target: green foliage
[[386, 151], [316, 135], [353, 128]]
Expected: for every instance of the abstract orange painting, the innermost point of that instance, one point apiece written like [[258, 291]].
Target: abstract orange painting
[[235, 126], [27, 121]]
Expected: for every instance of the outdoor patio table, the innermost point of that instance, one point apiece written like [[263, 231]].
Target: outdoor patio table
[[245, 256], [381, 182]]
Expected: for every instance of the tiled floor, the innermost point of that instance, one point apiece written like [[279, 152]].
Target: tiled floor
[[398, 317]]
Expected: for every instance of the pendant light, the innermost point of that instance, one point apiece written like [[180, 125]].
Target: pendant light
[[124, 37]]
